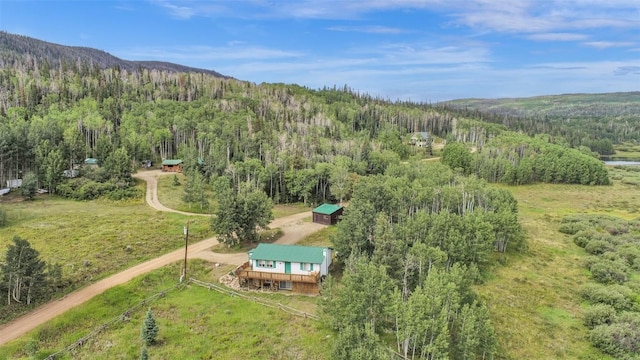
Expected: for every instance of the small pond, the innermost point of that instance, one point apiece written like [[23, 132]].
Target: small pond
[[621, 163]]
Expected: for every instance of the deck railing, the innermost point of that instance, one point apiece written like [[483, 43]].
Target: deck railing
[[244, 272]]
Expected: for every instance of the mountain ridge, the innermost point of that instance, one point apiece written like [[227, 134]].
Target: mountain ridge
[[20, 49]]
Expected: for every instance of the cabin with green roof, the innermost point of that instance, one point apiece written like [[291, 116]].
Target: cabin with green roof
[[174, 165], [327, 214], [286, 267], [91, 162]]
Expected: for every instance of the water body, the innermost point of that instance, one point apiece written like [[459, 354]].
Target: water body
[[621, 163]]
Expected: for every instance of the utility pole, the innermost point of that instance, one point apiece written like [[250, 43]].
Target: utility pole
[[186, 243]]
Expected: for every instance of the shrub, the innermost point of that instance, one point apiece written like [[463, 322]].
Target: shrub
[[583, 237], [124, 193], [597, 247], [620, 339], [599, 314], [571, 228], [609, 272], [618, 296], [631, 254], [86, 189]]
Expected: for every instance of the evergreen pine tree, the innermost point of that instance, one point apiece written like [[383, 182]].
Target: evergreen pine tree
[[144, 354], [149, 329]]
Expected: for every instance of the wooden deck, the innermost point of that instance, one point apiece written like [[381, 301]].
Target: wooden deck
[[244, 272]]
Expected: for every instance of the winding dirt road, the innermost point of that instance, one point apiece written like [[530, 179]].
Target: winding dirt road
[[294, 228]]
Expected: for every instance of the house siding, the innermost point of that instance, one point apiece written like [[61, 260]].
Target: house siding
[[295, 268], [302, 280]]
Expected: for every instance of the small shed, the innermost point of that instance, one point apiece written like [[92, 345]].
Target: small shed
[[327, 214], [172, 165]]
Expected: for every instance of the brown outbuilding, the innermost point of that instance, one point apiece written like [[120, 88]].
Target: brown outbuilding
[[327, 214], [172, 165]]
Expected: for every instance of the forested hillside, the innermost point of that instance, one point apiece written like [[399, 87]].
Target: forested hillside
[[26, 51], [79, 111], [593, 120]]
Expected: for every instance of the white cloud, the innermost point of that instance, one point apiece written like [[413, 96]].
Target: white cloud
[[199, 54], [557, 37], [182, 12], [608, 44], [373, 29]]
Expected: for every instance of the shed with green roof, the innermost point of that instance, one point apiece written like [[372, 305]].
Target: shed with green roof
[[327, 214], [172, 165]]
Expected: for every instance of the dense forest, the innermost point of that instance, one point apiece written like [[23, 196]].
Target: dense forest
[[53, 118], [414, 242], [593, 120]]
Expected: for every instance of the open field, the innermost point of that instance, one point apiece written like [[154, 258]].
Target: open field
[[626, 151], [533, 299], [193, 321], [96, 238]]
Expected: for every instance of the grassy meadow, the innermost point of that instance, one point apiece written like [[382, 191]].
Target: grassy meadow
[[534, 297], [194, 322], [96, 238]]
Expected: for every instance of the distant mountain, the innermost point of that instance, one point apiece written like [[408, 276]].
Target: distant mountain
[[27, 51], [556, 106]]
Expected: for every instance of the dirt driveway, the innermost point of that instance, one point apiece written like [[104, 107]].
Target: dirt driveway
[[294, 228]]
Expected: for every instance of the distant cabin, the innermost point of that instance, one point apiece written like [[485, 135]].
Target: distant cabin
[[327, 214], [91, 162], [296, 268], [172, 165], [421, 139]]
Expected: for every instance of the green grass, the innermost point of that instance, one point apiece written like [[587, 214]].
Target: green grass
[[171, 195], [91, 240], [110, 236], [534, 298], [282, 210], [320, 238], [194, 322]]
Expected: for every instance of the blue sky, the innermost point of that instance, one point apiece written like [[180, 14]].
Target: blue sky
[[420, 50]]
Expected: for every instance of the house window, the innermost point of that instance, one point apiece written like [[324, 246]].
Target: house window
[[285, 285], [306, 266], [266, 263], [326, 217]]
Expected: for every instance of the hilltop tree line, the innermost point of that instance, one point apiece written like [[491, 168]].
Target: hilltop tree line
[[593, 120], [414, 241]]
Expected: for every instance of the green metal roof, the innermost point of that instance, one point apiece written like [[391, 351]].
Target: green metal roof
[[290, 253], [171, 162], [91, 161], [327, 209]]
